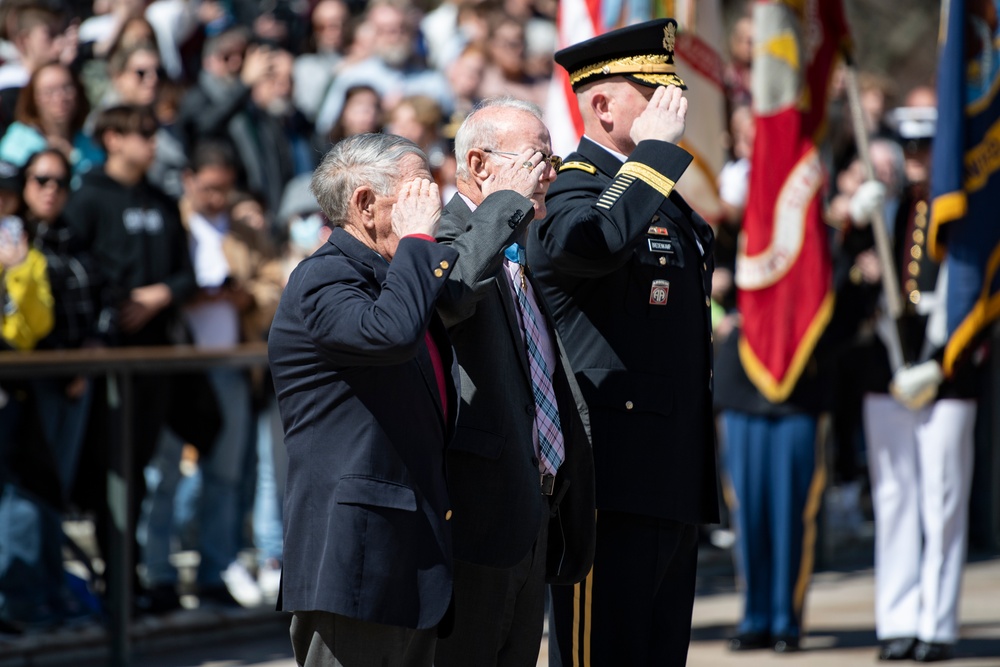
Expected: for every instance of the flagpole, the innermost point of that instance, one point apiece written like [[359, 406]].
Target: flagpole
[[883, 246]]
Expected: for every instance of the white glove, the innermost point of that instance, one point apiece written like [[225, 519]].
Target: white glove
[[916, 386], [869, 198]]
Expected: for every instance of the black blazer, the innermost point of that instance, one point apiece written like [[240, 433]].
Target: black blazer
[[493, 472], [366, 509], [620, 267]]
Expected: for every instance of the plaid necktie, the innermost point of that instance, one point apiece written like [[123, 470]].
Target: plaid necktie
[[551, 449]]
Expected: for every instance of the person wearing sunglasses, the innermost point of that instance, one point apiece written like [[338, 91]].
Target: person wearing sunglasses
[[134, 231], [77, 288], [520, 470]]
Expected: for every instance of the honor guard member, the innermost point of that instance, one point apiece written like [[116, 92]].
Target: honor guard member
[[918, 424], [625, 265]]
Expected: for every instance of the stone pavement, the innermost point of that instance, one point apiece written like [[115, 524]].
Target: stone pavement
[[839, 618]]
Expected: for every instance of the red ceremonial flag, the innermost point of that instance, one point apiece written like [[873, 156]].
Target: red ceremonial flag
[[783, 270]]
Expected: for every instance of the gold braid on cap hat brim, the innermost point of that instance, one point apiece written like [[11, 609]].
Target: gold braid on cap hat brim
[[655, 69]]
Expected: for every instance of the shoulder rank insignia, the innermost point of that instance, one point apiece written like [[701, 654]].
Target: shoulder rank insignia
[[582, 166]]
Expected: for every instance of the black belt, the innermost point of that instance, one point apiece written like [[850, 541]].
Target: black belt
[[548, 484]]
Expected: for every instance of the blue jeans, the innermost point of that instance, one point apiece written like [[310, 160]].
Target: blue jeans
[[64, 422], [219, 519], [31, 570], [272, 465]]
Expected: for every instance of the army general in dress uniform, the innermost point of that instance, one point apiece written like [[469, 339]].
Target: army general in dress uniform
[[625, 266]]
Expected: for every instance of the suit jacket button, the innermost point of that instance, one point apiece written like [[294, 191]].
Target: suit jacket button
[[534, 460], [438, 273], [529, 409], [444, 264], [447, 515], [629, 405]]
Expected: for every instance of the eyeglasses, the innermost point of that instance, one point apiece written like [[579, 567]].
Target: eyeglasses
[[43, 181], [554, 160], [65, 89], [142, 73]]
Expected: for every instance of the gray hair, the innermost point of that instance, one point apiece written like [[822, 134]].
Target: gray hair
[[363, 159], [479, 130], [898, 161]]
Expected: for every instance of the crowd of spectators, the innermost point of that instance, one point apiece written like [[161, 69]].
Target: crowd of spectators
[[157, 155]]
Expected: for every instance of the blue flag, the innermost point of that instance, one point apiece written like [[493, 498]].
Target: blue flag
[[965, 171]]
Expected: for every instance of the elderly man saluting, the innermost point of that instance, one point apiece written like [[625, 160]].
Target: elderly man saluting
[[366, 384]]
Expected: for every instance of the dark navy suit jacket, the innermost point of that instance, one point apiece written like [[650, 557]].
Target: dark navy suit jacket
[[366, 510]]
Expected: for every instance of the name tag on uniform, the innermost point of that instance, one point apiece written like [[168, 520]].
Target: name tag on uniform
[[661, 246], [659, 292]]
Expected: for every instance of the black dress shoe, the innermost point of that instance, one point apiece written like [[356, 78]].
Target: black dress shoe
[[786, 644], [750, 641], [900, 648], [931, 652]]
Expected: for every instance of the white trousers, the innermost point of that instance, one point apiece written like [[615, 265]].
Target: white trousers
[[920, 464]]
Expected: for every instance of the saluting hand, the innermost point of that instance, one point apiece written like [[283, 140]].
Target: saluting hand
[[663, 118], [514, 174], [417, 208]]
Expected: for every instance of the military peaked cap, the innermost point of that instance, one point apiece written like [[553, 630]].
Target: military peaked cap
[[643, 53]]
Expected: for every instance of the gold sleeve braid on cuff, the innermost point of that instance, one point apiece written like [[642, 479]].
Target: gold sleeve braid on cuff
[[648, 175]]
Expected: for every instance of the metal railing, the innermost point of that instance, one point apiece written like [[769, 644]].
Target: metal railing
[[119, 366]]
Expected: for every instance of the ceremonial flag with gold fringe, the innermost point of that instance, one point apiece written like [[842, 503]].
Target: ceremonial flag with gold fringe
[[965, 170], [783, 269], [700, 38]]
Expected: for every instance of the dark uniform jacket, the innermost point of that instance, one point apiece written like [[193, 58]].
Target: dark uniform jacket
[[620, 267], [366, 508], [917, 275], [493, 474]]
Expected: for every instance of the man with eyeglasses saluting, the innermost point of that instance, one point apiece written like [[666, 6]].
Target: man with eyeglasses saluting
[[520, 471]]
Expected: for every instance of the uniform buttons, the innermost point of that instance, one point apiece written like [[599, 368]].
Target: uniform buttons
[[711, 374], [711, 338], [913, 268], [921, 207], [447, 515], [911, 285], [629, 405], [708, 302], [916, 252], [918, 236], [444, 264], [438, 273], [663, 261], [704, 266], [914, 297]]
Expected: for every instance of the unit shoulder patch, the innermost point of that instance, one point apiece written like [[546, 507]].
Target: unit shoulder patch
[[582, 166]]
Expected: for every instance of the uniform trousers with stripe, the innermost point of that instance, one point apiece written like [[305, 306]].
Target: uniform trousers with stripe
[[634, 608], [920, 463], [775, 484]]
